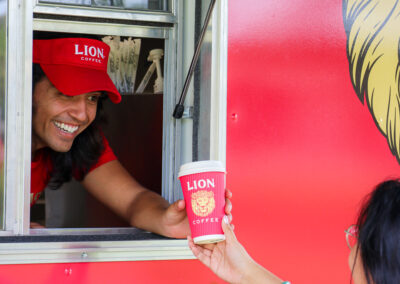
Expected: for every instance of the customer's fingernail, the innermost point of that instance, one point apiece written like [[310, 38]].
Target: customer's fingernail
[[226, 220]]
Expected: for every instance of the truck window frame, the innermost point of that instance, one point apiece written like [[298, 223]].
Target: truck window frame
[[18, 243]]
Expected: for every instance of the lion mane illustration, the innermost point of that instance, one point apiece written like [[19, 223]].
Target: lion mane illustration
[[373, 37], [203, 203]]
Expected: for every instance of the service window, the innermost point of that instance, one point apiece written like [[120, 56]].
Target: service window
[[151, 48], [134, 129]]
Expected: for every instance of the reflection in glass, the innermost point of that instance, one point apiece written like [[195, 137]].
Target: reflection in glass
[[76, 2], [162, 5], [3, 50]]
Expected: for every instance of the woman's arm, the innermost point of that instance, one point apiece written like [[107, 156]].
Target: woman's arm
[[230, 261]]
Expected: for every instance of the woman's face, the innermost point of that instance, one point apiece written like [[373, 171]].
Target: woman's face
[[356, 266]]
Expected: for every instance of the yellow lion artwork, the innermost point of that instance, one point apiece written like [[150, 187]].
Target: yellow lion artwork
[[373, 36], [203, 203]]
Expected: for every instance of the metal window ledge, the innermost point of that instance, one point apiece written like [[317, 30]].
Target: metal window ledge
[[67, 252], [90, 245]]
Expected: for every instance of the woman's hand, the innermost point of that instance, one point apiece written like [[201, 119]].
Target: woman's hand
[[230, 261], [227, 259]]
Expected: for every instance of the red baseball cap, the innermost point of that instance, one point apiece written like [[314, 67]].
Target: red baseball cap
[[76, 66]]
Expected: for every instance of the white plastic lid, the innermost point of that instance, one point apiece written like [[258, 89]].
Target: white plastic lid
[[201, 167], [208, 239]]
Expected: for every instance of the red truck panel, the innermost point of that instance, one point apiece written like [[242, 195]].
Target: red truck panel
[[301, 152]]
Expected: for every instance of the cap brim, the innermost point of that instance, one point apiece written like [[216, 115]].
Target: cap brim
[[73, 80]]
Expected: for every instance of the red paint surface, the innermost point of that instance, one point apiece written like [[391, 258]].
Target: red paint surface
[[186, 271], [301, 152], [311, 148]]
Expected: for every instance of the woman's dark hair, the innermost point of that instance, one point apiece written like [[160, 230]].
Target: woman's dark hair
[[379, 234], [86, 148]]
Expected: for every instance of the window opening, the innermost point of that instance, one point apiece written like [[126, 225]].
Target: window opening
[[133, 128]]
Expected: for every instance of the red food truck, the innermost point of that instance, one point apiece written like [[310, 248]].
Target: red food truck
[[274, 97]]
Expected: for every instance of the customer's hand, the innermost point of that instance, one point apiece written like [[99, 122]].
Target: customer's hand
[[230, 261], [227, 259]]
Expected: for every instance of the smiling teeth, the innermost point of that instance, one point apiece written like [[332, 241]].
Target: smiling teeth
[[66, 127]]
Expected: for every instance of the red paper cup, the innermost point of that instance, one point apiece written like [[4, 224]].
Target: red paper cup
[[203, 186]]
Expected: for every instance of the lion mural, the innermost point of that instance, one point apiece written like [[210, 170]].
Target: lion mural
[[373, 35], [203, 203]]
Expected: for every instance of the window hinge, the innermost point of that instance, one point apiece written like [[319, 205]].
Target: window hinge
[[187, 112]]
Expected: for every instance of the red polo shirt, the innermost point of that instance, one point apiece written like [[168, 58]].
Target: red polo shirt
[[42, 166]]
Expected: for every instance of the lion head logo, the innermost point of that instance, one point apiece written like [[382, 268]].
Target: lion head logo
[[203, 202]]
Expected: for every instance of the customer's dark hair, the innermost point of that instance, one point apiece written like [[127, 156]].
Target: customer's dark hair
[[379, 234], [85, 151]]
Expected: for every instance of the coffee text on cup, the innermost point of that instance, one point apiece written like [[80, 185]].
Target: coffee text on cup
[[205, 220]]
